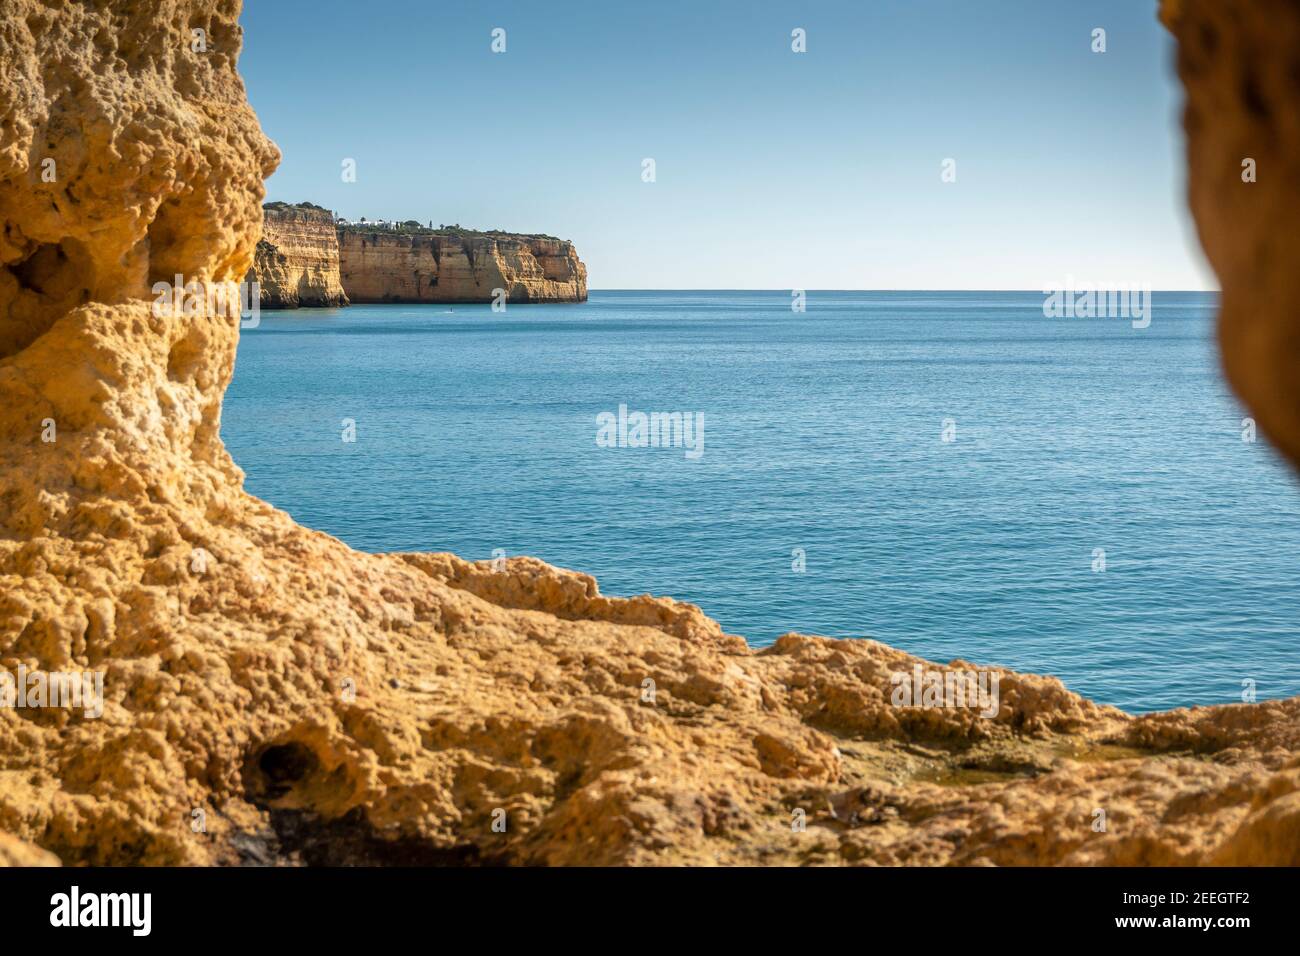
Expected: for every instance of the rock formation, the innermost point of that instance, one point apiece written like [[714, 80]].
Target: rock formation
[[297, 259], [1238, 63], [380, 265], [273, 695], [305, 260]]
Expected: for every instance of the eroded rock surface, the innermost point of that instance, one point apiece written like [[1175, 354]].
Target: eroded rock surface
[[273, 696]]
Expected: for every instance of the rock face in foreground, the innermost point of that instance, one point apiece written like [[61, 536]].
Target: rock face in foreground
[[307, 702], [1240, 64], [380, 265], [297, 259]]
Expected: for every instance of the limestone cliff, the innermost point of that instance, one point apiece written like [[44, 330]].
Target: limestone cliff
[[297, 259], [310, 702], [304, 260], [380, 265]]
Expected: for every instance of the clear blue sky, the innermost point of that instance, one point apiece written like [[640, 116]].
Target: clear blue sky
[[775, 170]]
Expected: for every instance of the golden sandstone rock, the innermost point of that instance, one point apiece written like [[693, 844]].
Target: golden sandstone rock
[[380, 265], [304, 260], [297, 259], [271, 695]]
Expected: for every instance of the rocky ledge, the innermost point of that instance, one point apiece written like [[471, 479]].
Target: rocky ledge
[[271, 695]]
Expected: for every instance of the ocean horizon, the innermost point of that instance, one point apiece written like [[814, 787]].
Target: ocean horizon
[[951, 473]]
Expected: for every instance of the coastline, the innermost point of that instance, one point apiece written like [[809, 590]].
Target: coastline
[[307, 257], [311, 703]]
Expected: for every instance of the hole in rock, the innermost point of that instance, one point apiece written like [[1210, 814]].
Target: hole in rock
[[174, 247], [37, 291], [304, 835], [284, 765]]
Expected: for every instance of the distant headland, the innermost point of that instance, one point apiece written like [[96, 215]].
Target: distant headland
[[308, 257]]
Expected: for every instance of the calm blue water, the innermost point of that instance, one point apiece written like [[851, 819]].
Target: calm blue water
[[477, 431]]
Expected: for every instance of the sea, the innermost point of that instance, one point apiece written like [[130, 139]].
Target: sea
[[952, 473]]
